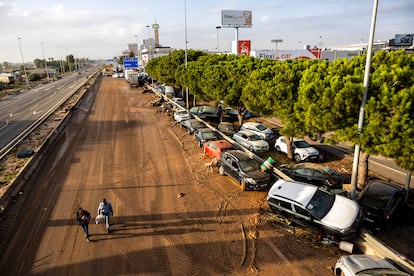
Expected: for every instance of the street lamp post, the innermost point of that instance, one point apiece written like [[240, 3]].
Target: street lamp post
[[47, 71], [24, 67], [218, 28], [186, 53], [355, 163], [137, 53], [149, 46], [320, 46], [62, 69]]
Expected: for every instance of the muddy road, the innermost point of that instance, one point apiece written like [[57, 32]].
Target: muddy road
[[171, 216]]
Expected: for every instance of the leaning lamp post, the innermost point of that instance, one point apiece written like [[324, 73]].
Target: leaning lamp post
[[24, 67]]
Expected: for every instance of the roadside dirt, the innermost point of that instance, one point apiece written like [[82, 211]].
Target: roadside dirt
[[171, 216]]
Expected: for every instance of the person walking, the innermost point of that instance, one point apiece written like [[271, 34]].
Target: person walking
[[83, 217], [105, 209]]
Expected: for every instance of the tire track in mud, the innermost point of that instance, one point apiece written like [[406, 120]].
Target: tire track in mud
[[175, 260], [248, 231]]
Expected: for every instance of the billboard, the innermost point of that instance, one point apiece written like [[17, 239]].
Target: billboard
[[243, 48], [403, 39], [231, 18], [130, 63]]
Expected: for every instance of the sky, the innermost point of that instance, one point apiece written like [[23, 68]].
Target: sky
[[101, 29]]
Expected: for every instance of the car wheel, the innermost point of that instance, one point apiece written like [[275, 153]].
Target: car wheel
[[277, 148], [188, 131], [221, 170], [243, 185], [297, 157]]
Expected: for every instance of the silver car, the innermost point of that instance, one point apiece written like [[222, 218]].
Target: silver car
[[354, 265], [259, 129], [251, 140], [181, 115]]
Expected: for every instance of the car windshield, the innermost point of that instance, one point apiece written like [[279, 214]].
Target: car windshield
[[261, 127], [249, 165], [208, 135], [197, 124], [254, 137], [209, 109], [376, 197], [301, 144], [321, 203]]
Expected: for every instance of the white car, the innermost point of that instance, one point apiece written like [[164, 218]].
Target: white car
[[354, 265], [259, 129], [302, 151], [181, 115], [314, 206], [251, 140]]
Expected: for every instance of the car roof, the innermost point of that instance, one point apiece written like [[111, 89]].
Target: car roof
[[247, 132], [205, 129], [377, 188], [252, 123], [296, 191], [222, 144], [359, 262], [240, 155], [308, 165]]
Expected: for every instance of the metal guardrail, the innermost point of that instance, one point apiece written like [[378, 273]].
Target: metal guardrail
[[372, 246], [13, 143]]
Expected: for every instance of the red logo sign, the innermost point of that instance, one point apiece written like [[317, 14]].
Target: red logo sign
[[243, 47]]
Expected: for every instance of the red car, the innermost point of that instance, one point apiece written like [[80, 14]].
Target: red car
[[216, 148]]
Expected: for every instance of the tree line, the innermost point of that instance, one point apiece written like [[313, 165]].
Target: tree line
[[309, 96]]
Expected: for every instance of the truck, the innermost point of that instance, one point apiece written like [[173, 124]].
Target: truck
[[132, 77], [169, 92]]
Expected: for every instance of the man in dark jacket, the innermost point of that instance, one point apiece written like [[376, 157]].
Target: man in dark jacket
[[83, 217]]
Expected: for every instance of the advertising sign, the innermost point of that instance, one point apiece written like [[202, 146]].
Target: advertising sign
[[230, 18], [288, 54], [243, 47], [130, 63], [403, 39]]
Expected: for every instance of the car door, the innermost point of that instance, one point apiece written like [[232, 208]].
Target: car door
[[234, 169], [244, 140]]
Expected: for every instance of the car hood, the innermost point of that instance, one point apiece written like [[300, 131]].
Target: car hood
[[308, 151], [257, 175], [342, 214], [260, 143]]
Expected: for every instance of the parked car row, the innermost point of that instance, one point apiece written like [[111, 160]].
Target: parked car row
[[307, 200], [379, 200]]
